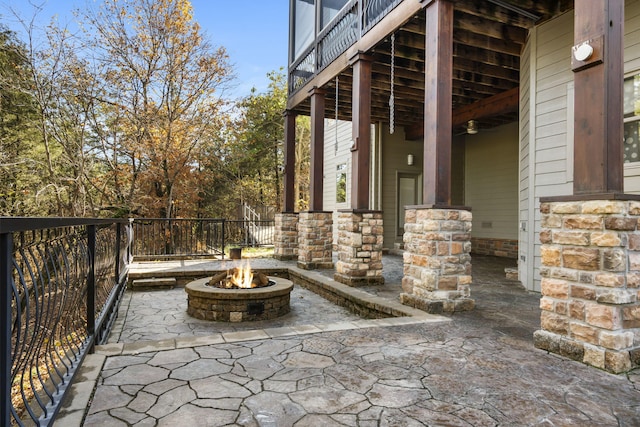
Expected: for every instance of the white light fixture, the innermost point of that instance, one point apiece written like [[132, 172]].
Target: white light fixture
[[410, 159], [472, 127], [583, 51]]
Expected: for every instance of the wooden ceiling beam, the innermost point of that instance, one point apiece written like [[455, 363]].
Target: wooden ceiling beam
[[486, 42], [489, 28]]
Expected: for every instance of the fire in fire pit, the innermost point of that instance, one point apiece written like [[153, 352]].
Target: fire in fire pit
[[240, 278]]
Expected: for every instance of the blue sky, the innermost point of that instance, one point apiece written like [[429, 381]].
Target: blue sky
[[254, 32]]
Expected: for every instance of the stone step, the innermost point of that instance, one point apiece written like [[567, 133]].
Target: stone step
[[153, 283], [511, 273]]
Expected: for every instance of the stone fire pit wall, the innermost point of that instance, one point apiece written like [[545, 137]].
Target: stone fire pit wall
[[238, 305]]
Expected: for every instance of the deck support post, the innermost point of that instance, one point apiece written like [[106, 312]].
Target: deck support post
[[317, 149], [591, 240], [289, 161]]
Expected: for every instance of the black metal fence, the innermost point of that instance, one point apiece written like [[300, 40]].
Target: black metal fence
[[62, 280], [196, 237]]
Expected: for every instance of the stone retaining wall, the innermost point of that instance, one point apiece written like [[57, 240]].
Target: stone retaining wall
[[505, 248], [591, 282]]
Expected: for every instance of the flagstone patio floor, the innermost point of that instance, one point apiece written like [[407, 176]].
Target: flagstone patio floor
[[321, 365]]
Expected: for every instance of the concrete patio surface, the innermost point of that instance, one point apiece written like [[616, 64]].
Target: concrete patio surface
[[323, 366]]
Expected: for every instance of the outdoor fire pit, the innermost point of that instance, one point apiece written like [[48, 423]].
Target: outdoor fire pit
[[238, 295]]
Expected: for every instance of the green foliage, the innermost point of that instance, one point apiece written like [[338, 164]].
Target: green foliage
[[20, 154]]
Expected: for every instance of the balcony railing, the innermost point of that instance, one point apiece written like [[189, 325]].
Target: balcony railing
[[62, 280], [155, 238], [354, 21]]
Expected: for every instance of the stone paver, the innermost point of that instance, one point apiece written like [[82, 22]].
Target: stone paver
[[480, 369]]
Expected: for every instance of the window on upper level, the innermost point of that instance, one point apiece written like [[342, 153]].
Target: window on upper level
[[302, 26], [330, 9], [632, 119]]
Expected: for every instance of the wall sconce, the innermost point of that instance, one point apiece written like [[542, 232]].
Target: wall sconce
[[583, 51], [472, 127], [410, 159]]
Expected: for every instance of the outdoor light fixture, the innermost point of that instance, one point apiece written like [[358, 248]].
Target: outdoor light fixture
[[472, 127], [410, 159], [583, 51]]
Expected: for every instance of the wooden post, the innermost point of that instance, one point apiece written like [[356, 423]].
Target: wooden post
[[361, 119], [289, 161], [598, 78], [438, 103], [317, 149]]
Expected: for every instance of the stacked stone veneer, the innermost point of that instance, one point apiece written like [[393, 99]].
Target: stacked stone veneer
[[437, 260], [286, 237], [360, 240], [591, 282], [505, 248], [315, 239]]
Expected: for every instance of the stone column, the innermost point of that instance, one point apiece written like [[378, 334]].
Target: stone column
[[286, 236], [360, 239], [315, 240], [591, 282], [437, 260]]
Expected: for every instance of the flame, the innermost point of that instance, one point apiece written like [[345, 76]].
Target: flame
[[242, 277]]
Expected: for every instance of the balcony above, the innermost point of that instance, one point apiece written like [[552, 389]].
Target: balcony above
[[488, 39]]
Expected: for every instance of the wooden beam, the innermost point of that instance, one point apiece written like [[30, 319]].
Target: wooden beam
[[289, 161], [361, 121], [316, 169], [598, 114], [437, 103], [497, 105], [502, 103]]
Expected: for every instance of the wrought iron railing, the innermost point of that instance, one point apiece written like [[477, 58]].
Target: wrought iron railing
[[155, 238], [347, 27], [62, 280]]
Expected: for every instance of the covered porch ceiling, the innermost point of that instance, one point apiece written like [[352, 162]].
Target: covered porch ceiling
[[488, 40]]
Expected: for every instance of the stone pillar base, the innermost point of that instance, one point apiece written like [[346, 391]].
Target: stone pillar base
[[437, 306], [590, 308], [315, 240], [437, 260], [286, 236], [360, 239]]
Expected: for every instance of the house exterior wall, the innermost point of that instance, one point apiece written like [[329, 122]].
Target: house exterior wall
[[546, 126], [393, 154], [337, 141], [491, 189]]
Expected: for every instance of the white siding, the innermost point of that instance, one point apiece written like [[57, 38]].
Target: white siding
[[337, 150], [491, 182]]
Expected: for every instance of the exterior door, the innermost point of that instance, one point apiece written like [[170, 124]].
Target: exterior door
[[407, 192]]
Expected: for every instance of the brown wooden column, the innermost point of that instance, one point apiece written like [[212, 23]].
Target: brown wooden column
[[289, 161], [361, 119], [438, 103], [317, 149], [598, 158]]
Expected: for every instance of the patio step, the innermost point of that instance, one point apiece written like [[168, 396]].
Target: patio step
[[511, 273], [153, 283]]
